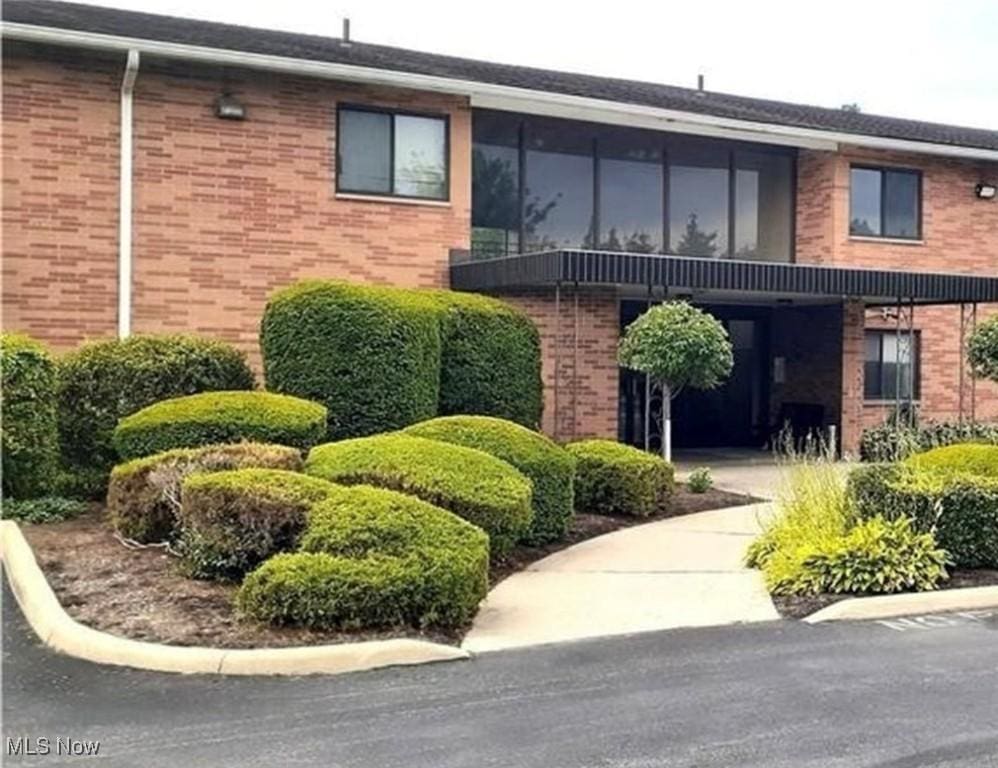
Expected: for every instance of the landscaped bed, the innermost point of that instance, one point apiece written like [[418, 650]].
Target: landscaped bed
[[141, 594]]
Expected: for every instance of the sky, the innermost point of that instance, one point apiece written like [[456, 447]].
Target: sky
[[931, 61]]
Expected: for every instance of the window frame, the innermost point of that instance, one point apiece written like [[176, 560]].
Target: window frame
[[883, 170], [392, 113], [916, 383]]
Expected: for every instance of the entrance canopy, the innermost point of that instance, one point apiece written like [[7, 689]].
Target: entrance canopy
[[605, 268]]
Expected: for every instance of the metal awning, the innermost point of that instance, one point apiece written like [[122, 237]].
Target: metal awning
[[608, 268]]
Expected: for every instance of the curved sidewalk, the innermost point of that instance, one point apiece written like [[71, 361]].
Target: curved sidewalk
[[681, 572]]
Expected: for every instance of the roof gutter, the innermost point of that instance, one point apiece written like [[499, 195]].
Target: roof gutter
[[499, 96], [125, 197]]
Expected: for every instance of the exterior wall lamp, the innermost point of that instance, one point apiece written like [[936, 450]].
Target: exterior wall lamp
[[986, 191], [228, 107]]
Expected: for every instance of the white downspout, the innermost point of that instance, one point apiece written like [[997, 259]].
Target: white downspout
[[125, 199]]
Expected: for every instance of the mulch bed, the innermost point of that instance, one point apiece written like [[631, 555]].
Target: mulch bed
[[138, 593], [799, 606]]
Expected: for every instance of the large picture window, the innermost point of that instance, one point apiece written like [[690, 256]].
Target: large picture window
[[394, 154], [885, 202], [891, 369]]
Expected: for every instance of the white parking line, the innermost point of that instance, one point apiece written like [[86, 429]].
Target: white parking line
[[937, 621]]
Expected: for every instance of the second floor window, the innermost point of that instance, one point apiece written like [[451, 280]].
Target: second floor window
[[392, 154], [891, 368], [885, 202]]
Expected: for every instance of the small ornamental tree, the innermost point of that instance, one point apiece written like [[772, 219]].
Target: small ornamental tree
[[677, 346], [982, 350]]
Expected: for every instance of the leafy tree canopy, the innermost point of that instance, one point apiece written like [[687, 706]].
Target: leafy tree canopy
[[982, 350], [679, 345]]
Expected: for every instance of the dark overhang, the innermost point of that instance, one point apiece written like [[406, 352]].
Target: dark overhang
[[605, 268]]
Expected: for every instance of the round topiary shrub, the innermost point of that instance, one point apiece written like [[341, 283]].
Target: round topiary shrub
[[371, 355], [220, 417], [29, 426], [232, 521], [490, 359], [143, 498], [969, 458], [473, 485], [103, 381], [549, 467], [616, 479], [373, 558]]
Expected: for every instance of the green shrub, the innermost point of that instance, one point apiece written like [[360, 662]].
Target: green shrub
[[233, 520], [875, 556], [549, 467], [616, 479], [28, 422], [967, 458], [143, 497], [869, 486], [473, 485], [700, 480], [812, 512], [893, 441], [374, 558], [371, 355], [101, 382], [968, 523], [982, 349], [490, 359], [220, 417], [43, 509]]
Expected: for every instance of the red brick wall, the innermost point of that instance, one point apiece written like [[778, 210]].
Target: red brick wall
[[225, 211], [960, 234], [60, 198], [583, 349]]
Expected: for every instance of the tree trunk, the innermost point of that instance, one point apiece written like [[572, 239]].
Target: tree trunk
[[666, 422]]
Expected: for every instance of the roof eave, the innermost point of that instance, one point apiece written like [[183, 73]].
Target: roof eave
[[493, 96]]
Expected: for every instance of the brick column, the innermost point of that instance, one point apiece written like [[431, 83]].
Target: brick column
[[853, 352]]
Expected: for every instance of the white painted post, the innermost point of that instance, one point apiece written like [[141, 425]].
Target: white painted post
[[666, 422], [125, 198]]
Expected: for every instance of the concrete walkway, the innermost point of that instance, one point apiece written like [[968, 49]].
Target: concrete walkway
[[682, 572]]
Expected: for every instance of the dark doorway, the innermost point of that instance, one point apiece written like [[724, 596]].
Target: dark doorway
[[734, 414]]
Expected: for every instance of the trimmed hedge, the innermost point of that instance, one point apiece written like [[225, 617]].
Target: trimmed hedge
[[143, 497], [974, 459], [220, 417], [100, 382], [490, 359], [936, 492], [616, 479], [374, 558], [371, 355], [30, 435], [232, 521], [473, 485], [549, 467], [890, 441]]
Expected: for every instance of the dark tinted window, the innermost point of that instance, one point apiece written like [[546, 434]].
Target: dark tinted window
[[891, 363], [558, 199], [698, 201], [392, 154], [495, 185], [630, 192], [763, 206], [885, 203]]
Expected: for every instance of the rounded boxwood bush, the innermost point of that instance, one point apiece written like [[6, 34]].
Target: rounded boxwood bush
[[373, 558], [370, 354], [220, 417], [29, 427], [231, 521], [549, 467], [616, 479], [100, 382], [473, 485], [490, 359], [969, 458], [143, 498]]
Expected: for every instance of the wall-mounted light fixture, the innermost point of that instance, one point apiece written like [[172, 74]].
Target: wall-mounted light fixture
[[228, 107], [986, 191]]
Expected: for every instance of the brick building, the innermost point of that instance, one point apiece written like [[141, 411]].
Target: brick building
[[164, 174]]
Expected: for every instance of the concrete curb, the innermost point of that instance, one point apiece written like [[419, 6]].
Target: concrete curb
[[61, 633], [890, 606]]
